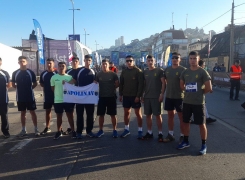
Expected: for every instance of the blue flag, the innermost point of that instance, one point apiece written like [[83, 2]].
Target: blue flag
[[170, 60], [39, 35]]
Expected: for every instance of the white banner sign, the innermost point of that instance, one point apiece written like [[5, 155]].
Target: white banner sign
[[81, 95]]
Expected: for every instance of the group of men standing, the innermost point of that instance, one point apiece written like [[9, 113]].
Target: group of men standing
[[184, 89]]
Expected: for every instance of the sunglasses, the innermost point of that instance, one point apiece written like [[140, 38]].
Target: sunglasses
[[150, 60], [175, 57], [129, 61]]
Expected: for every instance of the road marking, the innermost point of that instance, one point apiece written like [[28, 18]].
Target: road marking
[[20, 145]]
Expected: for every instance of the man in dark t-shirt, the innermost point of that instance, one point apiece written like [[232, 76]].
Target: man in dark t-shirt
[[108, 82], [83, 77], [24, 80], [48, 93], [4, 85]]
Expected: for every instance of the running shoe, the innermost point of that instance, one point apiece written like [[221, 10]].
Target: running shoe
[[114, 134], [6, 134], [203, 149], [181, 139], [68, 131], [73, 135], [160, 138], [22, 133], [125, 133], [37, 133], [100, 133], [58, 135], [169, 138], [79, 136], [183, 145], [210, 120], [140, 135], [91, 135], [45, 131], [148, 136]]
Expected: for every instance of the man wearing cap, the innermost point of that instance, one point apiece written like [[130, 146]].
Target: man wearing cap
[[235, 77]]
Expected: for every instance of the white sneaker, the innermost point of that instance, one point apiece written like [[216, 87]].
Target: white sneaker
[[37, 133], [22, 133]]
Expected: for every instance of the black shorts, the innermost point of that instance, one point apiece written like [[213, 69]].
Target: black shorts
[[107, 105], [173, 104], [23, 106], [47, 105], [196, 110], [61, 107], [128, 102]]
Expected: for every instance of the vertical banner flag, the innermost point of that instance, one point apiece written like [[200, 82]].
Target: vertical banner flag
[[70, 56], [115, 57], [209, 42], [143, 55], [39, 35]]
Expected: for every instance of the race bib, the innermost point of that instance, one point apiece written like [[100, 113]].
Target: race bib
[[191, 87]]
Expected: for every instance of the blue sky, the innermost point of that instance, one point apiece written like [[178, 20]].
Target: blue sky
[[106, 20]]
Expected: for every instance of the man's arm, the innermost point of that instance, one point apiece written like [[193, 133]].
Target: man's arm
[[116, 84], [121, 85], [182, 85], [208, 87], [52, 87], [34, 85], [162, 90]]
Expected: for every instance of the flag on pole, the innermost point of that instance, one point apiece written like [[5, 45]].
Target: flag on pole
[[39, 36], [70, 56], [209, 42]]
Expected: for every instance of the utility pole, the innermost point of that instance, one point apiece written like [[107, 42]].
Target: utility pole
[[73, 16], [85, 35], [96, 44], [231, 38], [172, 19]]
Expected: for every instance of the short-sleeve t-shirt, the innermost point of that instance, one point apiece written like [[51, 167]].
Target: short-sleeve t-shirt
[[56, 81], [45, 80], [172, 75], [24, 80], [153, 83], [4, 80], [72, 72], [106, 83], [194, 85], [84, 76]]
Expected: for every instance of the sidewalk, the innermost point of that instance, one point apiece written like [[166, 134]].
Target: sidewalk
[[12, 95]]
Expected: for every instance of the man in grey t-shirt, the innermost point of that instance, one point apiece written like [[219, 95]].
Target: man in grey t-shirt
[[153, 97]]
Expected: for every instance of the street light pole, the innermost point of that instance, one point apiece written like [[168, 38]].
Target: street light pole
[[96, 44], [73, 17], [85, 35]]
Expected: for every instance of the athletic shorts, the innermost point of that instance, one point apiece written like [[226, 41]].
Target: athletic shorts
[[107, 105], [47, 105], [173, 104], [152, 106], [198, 112], [23, 106], [128, 102], [61, 107]]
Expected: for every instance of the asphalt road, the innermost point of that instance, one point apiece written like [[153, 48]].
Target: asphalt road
[[129, 158]]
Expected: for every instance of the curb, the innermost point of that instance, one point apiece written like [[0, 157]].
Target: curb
[[12, 104]]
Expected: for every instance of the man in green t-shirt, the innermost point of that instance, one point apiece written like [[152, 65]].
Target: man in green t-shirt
[[174, 96], [153, 97], [56, 83], [130, 91], [196, 82], [108, 82]]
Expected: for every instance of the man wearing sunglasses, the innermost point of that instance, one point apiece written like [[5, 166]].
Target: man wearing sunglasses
[[153, 97], [130, 91], [174, 96]]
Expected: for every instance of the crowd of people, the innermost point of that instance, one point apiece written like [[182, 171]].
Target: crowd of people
[[182, 88]]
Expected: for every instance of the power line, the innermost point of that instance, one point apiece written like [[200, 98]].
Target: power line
[[216, 18]]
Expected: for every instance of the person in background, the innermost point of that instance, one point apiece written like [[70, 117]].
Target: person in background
[[235, 77], [216, 68], [113, 68], [4, 85]]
